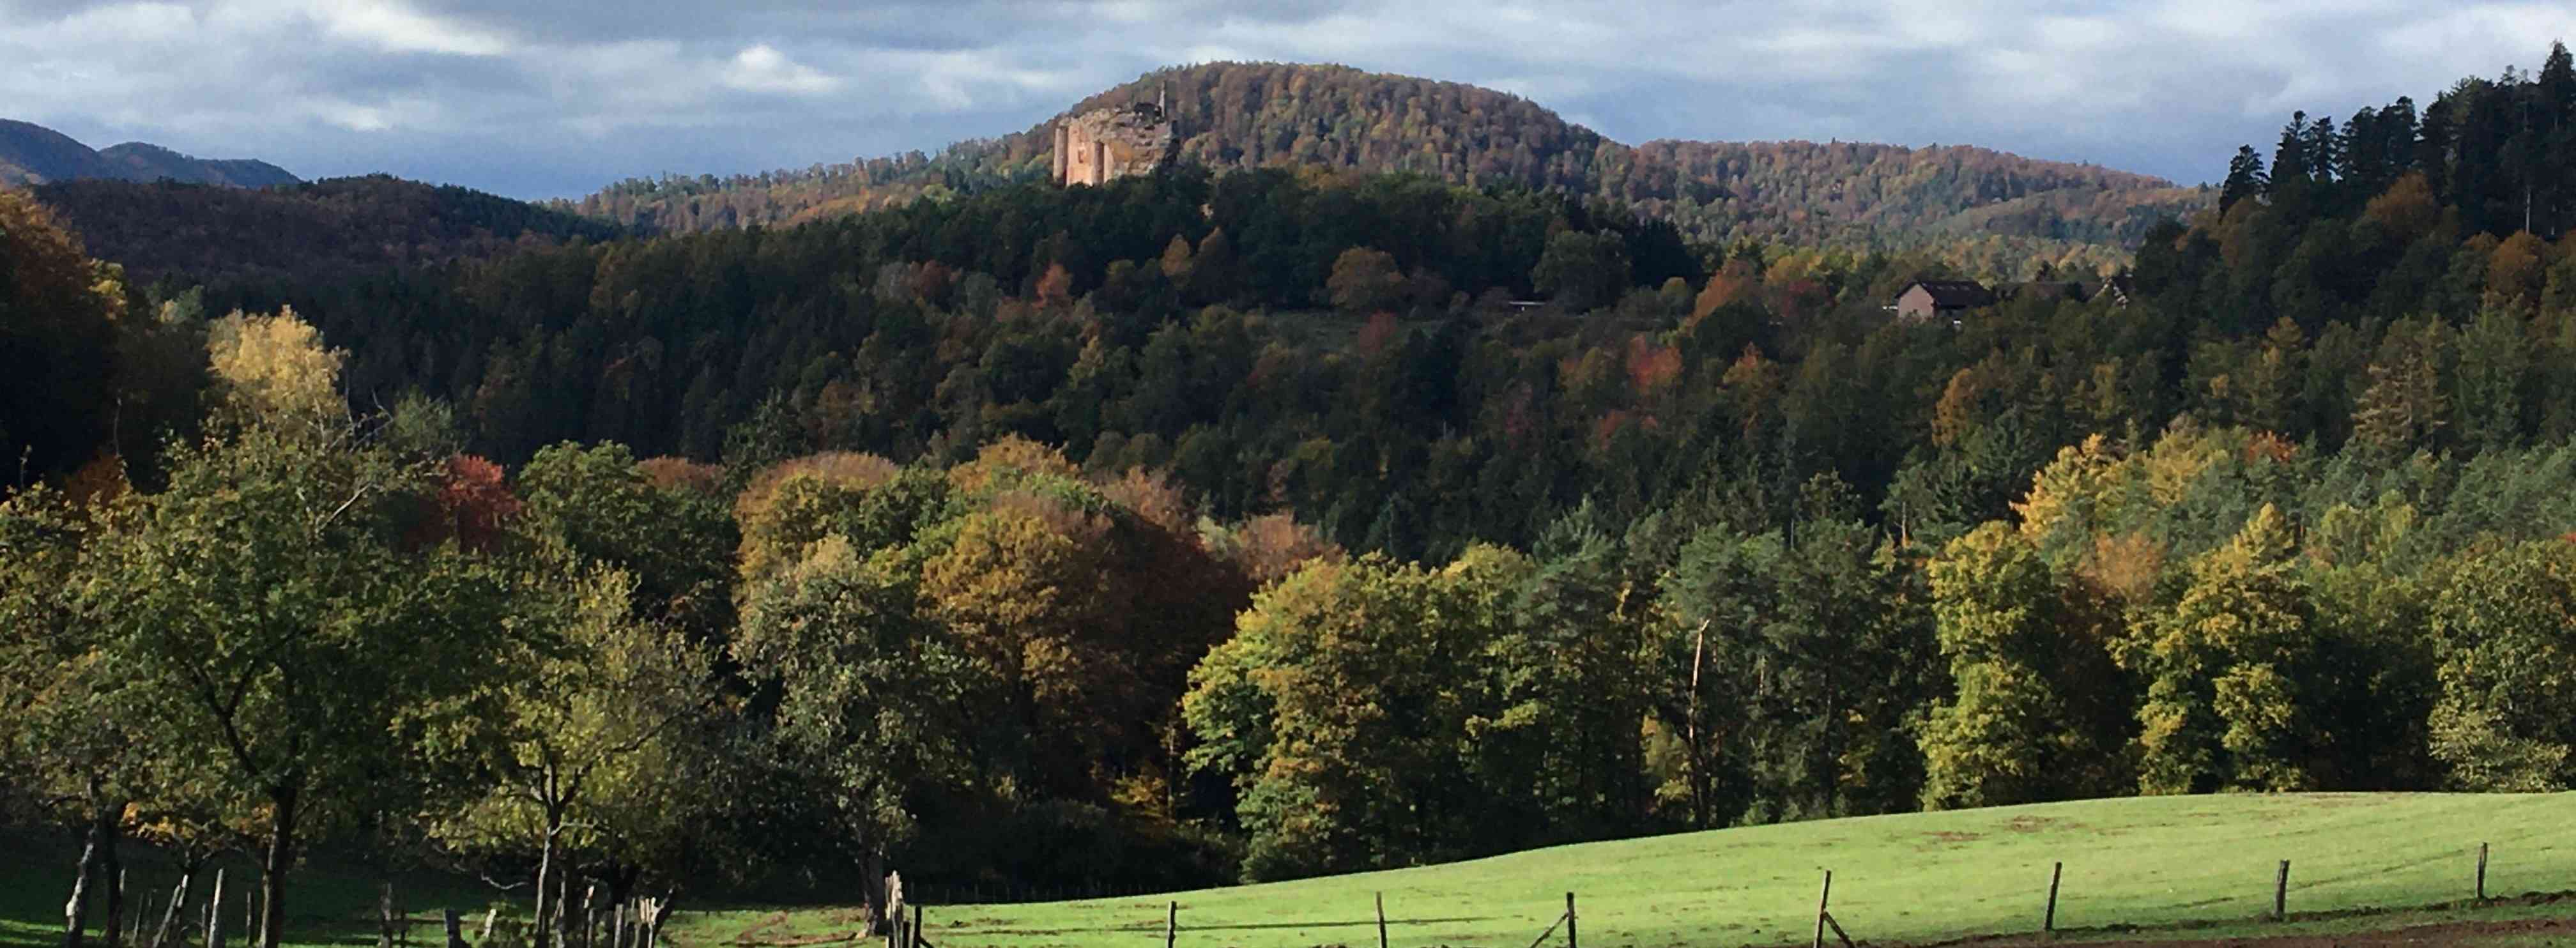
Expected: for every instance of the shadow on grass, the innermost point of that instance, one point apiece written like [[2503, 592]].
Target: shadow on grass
[[1245, 927]]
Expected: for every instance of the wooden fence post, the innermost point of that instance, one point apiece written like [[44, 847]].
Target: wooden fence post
[[1822, 900], [2049, 924], [1172, 925], [215, 913], [2281, 892], [650, 915], [1569, 921], [2482, 872], [170, 912], [1381, 920], [455, 926]]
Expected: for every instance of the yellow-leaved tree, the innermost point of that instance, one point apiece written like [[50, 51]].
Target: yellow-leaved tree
[[273, 370], [2226, 671]]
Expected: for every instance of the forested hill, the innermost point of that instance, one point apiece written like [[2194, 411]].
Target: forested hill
[[1252, 114], [33, 154], [304, 233]]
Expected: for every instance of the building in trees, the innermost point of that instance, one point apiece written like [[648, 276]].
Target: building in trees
[[1102, 145], [1922, 299]]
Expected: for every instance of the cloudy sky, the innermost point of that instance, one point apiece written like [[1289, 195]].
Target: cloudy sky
[[533, 98]]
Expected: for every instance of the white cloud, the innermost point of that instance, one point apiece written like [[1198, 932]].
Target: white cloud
[[478, 90], [356, 118], [763, 68], [394, 27]]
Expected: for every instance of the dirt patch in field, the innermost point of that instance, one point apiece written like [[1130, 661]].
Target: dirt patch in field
[[830, 939], [752, 935], [2396, 932], [1954, 837]]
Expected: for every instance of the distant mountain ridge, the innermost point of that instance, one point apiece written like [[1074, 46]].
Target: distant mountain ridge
[[1236, 115], [301, 232], [32, 154]]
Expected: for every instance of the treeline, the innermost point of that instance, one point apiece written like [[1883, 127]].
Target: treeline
[[1255, 115]]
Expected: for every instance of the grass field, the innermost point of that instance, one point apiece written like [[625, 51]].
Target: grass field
[[329, 904], [1914, 878], [2181, 867]]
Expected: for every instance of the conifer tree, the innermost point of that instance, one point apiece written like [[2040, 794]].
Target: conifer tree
[[2245, 177]]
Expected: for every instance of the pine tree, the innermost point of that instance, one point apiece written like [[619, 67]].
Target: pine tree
[[2433, 145], [2324, 149], [2556, 139], [2364, 166], [2396, 138], [2245, 177], [2290, 157]]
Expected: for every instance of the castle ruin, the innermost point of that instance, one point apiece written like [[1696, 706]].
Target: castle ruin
[[1103, 145]]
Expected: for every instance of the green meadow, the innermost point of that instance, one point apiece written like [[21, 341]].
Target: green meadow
[[2199, 865], [2147, 862]]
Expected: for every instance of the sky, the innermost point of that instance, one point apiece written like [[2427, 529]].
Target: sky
[[533, 99]]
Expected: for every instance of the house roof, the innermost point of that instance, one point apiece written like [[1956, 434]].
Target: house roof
[[1954, 294]]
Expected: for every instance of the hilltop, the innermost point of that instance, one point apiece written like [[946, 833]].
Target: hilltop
[[1259, 114], [32, 154], [309, 231]]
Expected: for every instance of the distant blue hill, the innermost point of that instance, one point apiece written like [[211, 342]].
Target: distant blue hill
[[32, 154]]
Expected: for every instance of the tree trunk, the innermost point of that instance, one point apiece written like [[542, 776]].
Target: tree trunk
[[111, 870], [78, 906], [178, 897], [79, 902], [545, 874], [619, 879], [280, 857], [1697, 745], [872, 891]]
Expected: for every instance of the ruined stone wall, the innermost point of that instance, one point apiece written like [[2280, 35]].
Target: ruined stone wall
[[1106, 144]]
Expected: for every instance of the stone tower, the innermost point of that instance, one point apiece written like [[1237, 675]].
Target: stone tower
[[1102, 145]]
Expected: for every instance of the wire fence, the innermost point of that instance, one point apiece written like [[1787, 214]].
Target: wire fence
[[2342, 886]]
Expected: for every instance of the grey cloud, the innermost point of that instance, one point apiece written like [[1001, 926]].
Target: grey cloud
[[538, 98]]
